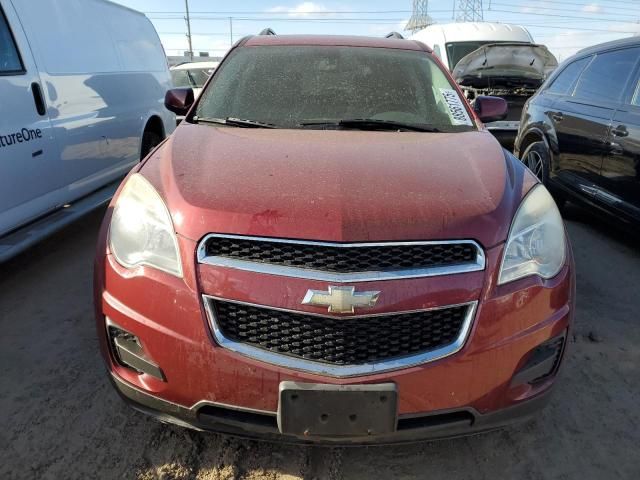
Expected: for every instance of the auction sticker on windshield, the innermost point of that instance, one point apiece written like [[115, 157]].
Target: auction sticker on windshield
[[459, 115]]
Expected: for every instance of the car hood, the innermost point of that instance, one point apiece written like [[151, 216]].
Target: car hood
[[342, 186], [522, 64]]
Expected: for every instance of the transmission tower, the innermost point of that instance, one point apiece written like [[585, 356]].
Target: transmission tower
[[419, 19], [469, 11]]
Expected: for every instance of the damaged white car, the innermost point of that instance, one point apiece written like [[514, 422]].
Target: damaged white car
[[513, 71]]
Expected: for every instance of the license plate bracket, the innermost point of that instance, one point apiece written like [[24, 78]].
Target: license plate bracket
[[322, 410]]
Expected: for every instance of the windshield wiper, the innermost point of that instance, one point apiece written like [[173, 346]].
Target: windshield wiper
[[235, 122], [372, 124]]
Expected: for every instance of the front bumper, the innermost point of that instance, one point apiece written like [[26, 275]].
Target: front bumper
[[209, 416], [208, 387]]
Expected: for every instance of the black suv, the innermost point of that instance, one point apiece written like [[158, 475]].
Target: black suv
[[580, 133]]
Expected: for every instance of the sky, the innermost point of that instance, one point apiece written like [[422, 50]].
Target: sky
[[565, 26]]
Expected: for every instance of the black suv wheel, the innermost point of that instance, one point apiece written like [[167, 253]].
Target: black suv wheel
[[536, 157]]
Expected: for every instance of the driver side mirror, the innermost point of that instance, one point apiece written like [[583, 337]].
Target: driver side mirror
[[490, 109], [179, 100]]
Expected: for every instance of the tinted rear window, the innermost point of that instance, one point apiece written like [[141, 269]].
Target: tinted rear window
[[567, 78], [606, 76], [290, 85]]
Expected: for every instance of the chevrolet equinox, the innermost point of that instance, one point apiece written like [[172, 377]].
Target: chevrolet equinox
[[332, 248]]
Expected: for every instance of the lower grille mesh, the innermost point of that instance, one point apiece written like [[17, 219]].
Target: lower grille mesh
[[339, 340]]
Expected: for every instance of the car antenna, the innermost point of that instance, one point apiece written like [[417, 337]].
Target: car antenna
[[267, 31], [394, 35]]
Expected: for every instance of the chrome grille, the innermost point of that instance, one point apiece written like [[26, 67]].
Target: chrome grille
[[339, 345], [341, 262]]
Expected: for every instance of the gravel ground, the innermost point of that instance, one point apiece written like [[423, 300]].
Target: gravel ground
[[60, 418]]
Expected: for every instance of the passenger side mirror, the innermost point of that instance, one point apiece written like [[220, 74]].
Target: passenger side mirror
[[490, 109], [179, 100]]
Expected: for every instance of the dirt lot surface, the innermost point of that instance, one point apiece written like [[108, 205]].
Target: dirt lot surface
[[60, 417]]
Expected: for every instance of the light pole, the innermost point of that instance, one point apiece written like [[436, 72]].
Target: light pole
[[188, 19]]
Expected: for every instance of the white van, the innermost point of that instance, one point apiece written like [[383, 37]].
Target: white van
[[451, 42], [82, 85], [494, 59]]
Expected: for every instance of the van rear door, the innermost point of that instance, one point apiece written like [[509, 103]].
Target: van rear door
[[28, 151]]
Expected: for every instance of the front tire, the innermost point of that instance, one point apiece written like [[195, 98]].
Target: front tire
[[537, 158], [150, 140]]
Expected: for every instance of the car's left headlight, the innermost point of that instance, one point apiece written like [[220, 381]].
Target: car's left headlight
[[536, 243], [141, 231]]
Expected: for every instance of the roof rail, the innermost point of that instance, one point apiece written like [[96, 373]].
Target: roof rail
[[394, 35], [267, 31]]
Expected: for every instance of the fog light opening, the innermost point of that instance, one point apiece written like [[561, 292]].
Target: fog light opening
[[542, 362], [129, 353]]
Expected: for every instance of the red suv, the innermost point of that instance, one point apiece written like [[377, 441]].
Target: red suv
[[332, 248]]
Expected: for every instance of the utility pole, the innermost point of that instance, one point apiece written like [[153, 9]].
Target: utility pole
[[469, 11], [231, 31], [188, 19], [420, 18]]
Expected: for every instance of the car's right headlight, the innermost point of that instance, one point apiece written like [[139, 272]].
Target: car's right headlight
[[536, 243], [141, 231]]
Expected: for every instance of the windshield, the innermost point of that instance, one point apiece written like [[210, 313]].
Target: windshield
[[195, 78], [458, 50], [290, 86]]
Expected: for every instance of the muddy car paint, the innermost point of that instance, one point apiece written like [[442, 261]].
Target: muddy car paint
[[144, 301], [339, 186]]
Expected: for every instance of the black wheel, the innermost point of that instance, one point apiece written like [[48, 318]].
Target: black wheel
[[150, 140], [538, 159]]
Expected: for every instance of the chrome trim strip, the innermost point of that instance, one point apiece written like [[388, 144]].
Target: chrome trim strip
[[308, 274], [340, 371]]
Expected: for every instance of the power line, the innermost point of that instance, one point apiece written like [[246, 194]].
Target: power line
[[394, 21], [559, 16], [618, 2], [210, 34], [284, 12], [287, 19], [581, 29], [474, 6], [552, 9], [381, 17]]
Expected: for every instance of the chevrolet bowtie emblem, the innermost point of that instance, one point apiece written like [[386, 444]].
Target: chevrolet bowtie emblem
[[340, 299]]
